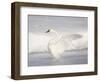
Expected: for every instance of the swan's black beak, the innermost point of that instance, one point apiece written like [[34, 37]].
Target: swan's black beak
[[47, 31]]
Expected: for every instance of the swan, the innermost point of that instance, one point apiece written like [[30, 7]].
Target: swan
[[63, 42], [56, 43]]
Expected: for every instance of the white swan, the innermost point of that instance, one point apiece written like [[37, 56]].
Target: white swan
[[56, 43], [63, 42]]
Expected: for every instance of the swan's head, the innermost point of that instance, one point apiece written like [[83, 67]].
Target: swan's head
[[50, 30]]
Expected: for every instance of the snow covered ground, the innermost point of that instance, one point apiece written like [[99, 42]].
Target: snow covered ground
[[67, 58]]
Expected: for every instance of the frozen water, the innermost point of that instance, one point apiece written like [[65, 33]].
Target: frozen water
[[67, 58]]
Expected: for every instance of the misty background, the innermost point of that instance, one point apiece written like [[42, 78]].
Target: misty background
[[41, 23]]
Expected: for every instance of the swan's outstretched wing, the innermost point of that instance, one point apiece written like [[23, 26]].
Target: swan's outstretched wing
[[38, 42], [75, 41], [72, 36]]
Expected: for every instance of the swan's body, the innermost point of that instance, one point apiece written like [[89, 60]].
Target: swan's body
[[57, 43]]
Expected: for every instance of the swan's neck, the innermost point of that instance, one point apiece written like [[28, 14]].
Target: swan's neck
[[56, 33], [55, 38]]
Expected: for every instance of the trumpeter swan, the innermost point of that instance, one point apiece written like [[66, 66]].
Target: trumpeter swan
[[56, 43], [63, 42]]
